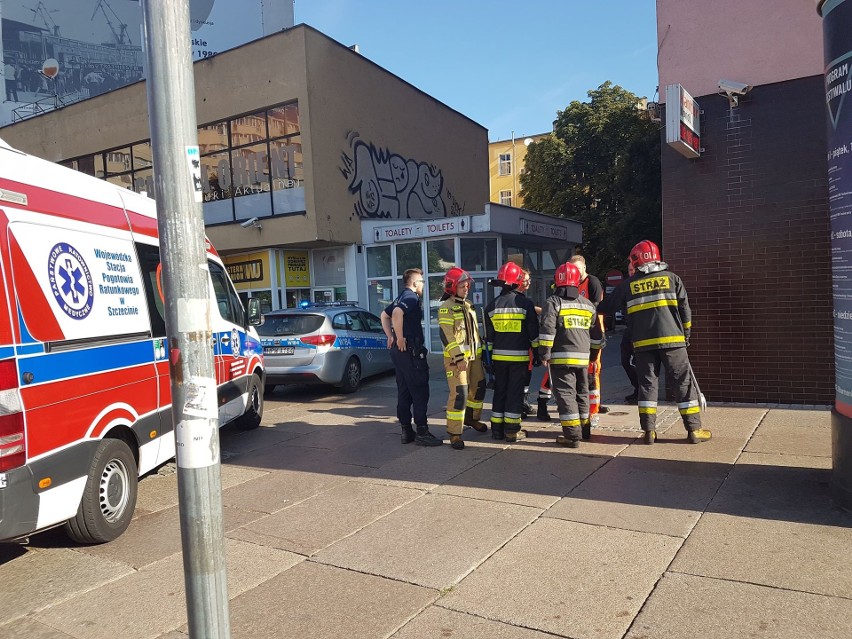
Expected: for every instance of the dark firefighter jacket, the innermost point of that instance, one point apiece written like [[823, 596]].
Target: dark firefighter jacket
[[511, 327], [564, 337], [658, 314]]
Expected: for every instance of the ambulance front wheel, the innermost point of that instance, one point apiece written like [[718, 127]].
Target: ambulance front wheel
[[109, 497], [254, 409]]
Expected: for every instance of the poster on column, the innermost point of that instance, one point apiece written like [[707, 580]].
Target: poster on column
[[98, 47], [838, 87]]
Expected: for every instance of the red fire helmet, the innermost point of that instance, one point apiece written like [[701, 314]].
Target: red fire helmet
[[511, 273], [644, 253], [453, 278], [566, 275]]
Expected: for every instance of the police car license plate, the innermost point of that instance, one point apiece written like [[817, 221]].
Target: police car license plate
[[279, 350]]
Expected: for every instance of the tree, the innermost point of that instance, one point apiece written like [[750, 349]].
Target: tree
[[601, 167]]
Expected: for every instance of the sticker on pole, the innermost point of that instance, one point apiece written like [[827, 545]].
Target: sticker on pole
[[196, 444], [193, 158]]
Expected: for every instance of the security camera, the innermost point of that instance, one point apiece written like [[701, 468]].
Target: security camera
[[252, 221], [733, 90]]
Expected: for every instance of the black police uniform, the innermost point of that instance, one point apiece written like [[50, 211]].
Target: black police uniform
[[412, 367]]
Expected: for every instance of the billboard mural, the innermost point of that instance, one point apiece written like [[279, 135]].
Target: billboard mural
[[57, 52]]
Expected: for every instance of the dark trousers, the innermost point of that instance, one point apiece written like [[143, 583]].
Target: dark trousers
[[12, 90], [412, 387], [508, 401], [626, 363], [676, 362], [571, 388]]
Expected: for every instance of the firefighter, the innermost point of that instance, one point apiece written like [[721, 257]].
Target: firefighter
[[659, 321], [564, 343], [591, 288], [522, 289], [511, 329], [462, 357]]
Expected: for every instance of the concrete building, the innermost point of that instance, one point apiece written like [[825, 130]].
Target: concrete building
[[324, 175], [746, 224]]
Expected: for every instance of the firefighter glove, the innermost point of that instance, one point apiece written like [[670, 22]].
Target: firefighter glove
[[536, 362]]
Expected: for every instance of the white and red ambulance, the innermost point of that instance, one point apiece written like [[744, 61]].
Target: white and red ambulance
[[84, 373]]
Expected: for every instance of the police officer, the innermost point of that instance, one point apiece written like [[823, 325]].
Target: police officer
[[659, 320], [401, 323], [591, 288], [564, 342], [462, 356], [511, 329]]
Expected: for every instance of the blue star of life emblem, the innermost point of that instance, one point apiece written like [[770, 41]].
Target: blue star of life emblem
[[70, 281]]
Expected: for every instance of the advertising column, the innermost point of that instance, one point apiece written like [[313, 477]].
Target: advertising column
[[837, 32]]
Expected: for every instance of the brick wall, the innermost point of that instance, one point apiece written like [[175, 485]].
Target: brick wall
[[746, 226]]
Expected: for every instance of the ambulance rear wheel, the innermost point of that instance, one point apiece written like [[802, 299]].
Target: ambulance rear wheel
[[109, 497], [254, 410]]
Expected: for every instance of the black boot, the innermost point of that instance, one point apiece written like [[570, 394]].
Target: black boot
[[497, 431], [407, 434], [425, 438], [475, 424], [587, 431], [542, 414]]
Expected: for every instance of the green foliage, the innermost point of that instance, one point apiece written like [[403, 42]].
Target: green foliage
[[601, 167]]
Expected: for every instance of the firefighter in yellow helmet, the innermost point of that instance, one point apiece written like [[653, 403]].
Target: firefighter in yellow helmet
[[462, 356]]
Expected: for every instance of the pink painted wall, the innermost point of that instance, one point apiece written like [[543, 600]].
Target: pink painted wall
[[751, 41]]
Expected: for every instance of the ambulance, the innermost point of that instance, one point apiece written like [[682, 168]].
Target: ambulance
[[84, 368]]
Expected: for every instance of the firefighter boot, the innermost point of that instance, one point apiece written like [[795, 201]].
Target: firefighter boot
[[407, 434], [456, 442], [527, 409], [475, 424], [497, 431], [514, 435], [699, 435], [425, 438], [542, 415], [587, 430], [568, 438], [650, 436]]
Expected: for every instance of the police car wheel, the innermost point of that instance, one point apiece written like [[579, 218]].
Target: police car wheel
[[254, 410], [109, 497], [351, 376]]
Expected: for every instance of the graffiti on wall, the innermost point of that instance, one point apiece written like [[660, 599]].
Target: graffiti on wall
[[390, 186]]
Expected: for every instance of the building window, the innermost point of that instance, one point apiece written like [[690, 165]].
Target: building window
[[506, 198], [505, 164]]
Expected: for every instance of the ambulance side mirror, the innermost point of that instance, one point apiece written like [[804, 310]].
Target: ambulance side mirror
[[255, 317]]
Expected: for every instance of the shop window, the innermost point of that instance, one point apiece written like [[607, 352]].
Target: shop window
[[441, 255], [118, 161], [248, 129], [379, 261], [505, 164], [297, 295], [250, 180], [143, 156], [379, 295], [478, 254], [506, 198], [328, 267], [288, 176], [408, 255], [213, 138], [283, 120]]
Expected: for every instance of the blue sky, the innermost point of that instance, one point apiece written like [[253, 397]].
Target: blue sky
[[510, 66]]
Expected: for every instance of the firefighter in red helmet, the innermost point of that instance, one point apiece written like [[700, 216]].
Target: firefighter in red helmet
[[564, 342], [511, 329], [660, 321], [462, 356]]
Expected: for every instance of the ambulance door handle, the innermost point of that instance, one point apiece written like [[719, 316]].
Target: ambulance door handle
[[28, 378]]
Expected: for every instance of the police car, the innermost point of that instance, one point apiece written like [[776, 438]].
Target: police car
[[337, 343]]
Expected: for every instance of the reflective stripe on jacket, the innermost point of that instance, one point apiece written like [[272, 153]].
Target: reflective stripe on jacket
[[511, 327], [564, 337]]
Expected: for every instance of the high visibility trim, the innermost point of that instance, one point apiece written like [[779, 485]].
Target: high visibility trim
[[566, 361], [569, 423], [648, 410], [535, 343], [474, 405], [584, 417], [594, 393], [569, 416], [687, 324], [571, 354], [496, 420], [582, 312], [446, 322], [512, 420], [511, 358], [508, 313], [508, 415], [542, 337], [647, 403], [506, 351], [690, 411], [498, 415], [548, 343], [648, 305], [689, 404], [658, 341], [455, 415]]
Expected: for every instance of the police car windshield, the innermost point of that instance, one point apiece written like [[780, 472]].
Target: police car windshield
[[294, 324]]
